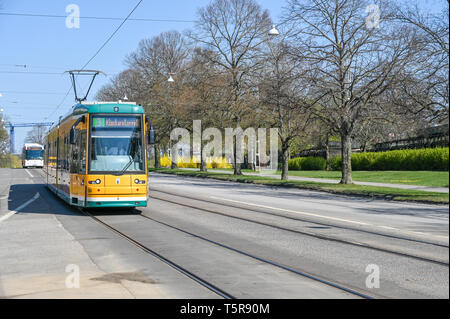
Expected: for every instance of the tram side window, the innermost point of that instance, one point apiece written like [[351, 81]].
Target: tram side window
[[83, 152], [50, 153], [47, 153], [74, 162], [78, 160], [66, 152], [60, 152], [55, 153]]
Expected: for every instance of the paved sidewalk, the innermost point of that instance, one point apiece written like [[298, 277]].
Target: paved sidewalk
[[5, 178], [45, 247], [39, 256], [335, 181]]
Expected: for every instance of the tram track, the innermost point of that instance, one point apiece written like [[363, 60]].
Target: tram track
[[207, 284], [222, 293], [327, 282], [350, 289], [310, 234], [212, 287]]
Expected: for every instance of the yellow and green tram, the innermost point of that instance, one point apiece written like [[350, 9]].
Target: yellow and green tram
[[97, 156]]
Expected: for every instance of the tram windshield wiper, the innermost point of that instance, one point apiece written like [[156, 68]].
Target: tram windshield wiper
[[125, 168]]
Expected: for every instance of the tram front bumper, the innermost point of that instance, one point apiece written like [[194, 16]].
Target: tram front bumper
[[118, 201]]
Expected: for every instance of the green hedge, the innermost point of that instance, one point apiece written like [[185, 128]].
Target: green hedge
[[307, 164], [335, 163], [426, 159]]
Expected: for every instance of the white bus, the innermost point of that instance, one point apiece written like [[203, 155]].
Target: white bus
[[32, 155]]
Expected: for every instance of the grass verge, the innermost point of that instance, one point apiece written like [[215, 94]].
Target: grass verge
[[358, 190], [422, 178]]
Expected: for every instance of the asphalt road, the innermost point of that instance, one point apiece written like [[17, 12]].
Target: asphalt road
[[226, 232]]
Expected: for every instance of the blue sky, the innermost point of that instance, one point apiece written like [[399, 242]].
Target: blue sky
[[46, 45]]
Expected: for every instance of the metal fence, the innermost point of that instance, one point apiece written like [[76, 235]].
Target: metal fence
[[431, 137], [428, 138]]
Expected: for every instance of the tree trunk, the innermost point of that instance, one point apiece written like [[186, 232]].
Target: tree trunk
[[157, 156], [327, 153], [174, 165], [346, 151], [237, 166], [203, 166], [285, 165], [174, 159]]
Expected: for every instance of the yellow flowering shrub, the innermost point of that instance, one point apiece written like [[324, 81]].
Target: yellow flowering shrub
[[211, 162]]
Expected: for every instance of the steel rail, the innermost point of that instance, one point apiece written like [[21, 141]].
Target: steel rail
[[175, 266], [270, 262], [252, 209], [343, 241]]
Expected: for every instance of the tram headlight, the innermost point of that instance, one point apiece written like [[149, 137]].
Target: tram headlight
[[138, 181], [98, 181]]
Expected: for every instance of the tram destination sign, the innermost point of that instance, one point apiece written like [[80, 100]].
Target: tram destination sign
[[115, 122]]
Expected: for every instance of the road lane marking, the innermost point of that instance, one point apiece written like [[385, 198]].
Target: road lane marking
[[293, 211], [424, 234], [388, 227], [28, 173], [334, 218], [5, 217]]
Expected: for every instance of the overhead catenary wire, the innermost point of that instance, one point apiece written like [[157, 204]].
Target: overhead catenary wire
[[33, 92], [34, 66], [37, 73], [96, 53], [93, 17]]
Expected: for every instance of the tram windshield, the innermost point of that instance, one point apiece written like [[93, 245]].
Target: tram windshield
[[116, 144], [34, 154]]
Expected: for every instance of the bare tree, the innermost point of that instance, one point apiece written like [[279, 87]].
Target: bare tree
[[354, 58], [425, 82], [36, 135], [234, 30], [204, 94], [127, 84], [283, 101], [155, 60]]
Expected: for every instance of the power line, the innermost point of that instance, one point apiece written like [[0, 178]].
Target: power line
[[31, 92], [38, 73], [93, 18], [20, 72], [33, 66], [96, 53], [128, 16]]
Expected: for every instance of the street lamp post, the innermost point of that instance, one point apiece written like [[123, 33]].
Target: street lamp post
[[173, 152], [257, 165]]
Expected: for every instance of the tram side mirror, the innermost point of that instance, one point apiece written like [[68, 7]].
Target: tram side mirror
[[72, 136], [151, 137]]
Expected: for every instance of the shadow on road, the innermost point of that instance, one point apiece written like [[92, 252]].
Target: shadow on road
[[49, 203], [45, 204], [111, 211]]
